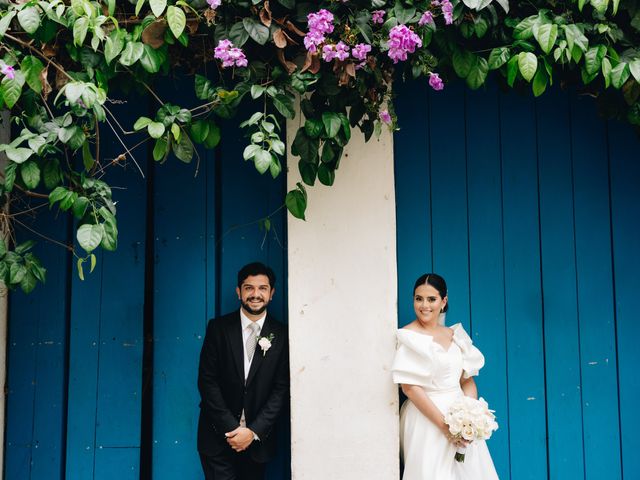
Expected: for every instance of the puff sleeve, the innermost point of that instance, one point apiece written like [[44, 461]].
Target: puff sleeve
[[472, 358], [413, 362]]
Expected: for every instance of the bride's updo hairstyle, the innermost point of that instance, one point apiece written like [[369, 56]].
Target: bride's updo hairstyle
[[436, 281]]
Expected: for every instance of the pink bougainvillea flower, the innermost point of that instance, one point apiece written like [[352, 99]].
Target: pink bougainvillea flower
[[359, 52], [435, 82], [385, 116], [9, 71], [320, 23], [231, 56], [447, 11], [426, 19], [331, 51], [214, 3], [377, 16], [401, 42]]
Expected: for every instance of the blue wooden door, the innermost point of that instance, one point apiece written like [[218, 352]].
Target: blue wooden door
[[102, 372], [529, 208]]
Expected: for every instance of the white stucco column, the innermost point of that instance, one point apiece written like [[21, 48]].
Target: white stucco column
[[342, 319]]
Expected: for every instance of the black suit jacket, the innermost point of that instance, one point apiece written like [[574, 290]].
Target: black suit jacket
[[224, 393]]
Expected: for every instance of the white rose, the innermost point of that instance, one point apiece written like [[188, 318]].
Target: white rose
[[468, 432], [265, 344]]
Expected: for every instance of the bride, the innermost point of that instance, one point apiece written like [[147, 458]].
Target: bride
[[435, 365]]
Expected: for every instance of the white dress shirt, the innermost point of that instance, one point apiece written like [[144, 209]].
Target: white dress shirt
[[246, 331]]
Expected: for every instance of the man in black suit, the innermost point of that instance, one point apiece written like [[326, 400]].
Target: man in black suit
[[243, 380]]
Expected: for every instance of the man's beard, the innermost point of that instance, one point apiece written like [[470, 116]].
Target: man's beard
[[248, 308]]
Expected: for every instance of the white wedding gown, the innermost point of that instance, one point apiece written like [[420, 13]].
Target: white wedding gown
[[426, 452]]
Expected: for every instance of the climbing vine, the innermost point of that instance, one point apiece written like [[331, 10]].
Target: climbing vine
[[62, 61]]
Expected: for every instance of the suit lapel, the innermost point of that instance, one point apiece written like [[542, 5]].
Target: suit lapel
[[258, 356], [235, 340]]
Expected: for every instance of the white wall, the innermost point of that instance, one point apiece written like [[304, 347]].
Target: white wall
[[342, 319]]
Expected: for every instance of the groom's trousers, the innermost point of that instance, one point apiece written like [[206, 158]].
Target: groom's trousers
[[231, 466]]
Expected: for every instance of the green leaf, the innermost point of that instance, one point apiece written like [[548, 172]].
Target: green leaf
[[17, 271], [546, 36], [67, 202], [314, 127], [258, 32], [284, 105], [304, 146], [328, 154], [404, 15], [51, 174], [3, 247], [606, 72], [24, 247], [57, 194], [93, 262], [10, 91], [593, 58], [512, 70], [498, 57], [326, 174], [199, 130], [256, 91], [275, 168], [151, 59], [157, 6], [18, 155], [5, 22], [575, 37], [32, 68], [183, 150], [278, 147], [80, 207], [213, 138], [332, 123], [177, 20], [634, 68], [524, 29], [478, 74], [262, 160], [600, 5], [540, 81], [30, 173], [110, 237], [203, 87], [89, 236], [131, 53], [80, 29], [308, 172], [113, 45], [238, 34], [80, 270], [528, 64], [463, 62], [296, 203], [10, 176], [28, 282], [29, 19], [141, 123], [87, 158], [250, 151], [620, 74], [160, 149]]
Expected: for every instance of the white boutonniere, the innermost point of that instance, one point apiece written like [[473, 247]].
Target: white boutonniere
[[265, 343]]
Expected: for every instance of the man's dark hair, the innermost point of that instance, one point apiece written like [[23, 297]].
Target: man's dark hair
[[256, 268]]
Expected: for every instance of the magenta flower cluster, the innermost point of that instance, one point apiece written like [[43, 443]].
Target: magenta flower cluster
[[359, 52], [230, 55], [426, 19], [331, 51], [320, 23], [214, 3], [385, 116], [401, 42], [8, 71], [435, 82], [377, 16], [447, 9]]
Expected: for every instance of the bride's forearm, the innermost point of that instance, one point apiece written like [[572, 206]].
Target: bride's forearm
[[469, 388], [425, 405]]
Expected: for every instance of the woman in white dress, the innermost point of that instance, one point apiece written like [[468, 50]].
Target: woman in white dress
[[435, 365]]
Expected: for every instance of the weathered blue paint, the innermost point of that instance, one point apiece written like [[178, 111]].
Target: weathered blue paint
[[548, 195]]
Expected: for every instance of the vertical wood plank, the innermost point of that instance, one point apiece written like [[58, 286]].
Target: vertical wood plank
[[625, 211], [564, 412], [595, 293], [449, 229], [523, 306], [413, 210], [486, 269], [180, 295], [36, 377]]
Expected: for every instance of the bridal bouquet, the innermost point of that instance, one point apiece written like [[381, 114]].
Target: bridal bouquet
[[470, 419]]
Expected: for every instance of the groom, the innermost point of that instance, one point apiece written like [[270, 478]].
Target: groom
[[243, 380]]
